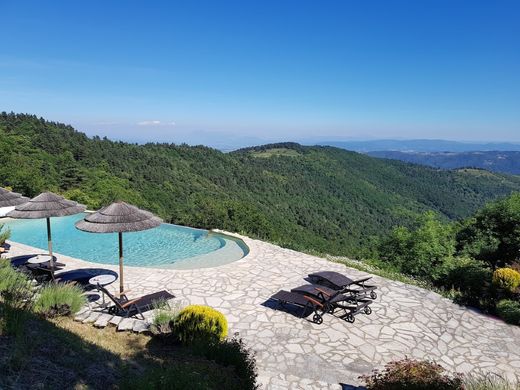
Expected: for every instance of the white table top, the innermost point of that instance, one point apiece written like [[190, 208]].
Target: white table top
[[39, 259], [103, 279]]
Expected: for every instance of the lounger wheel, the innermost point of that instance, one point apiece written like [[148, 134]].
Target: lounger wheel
[[373, 295], [368, 310], [350, 318], [317, 318]]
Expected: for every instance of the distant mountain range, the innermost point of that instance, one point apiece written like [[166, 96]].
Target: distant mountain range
[[420, 145], [496, 161], [316, 198]]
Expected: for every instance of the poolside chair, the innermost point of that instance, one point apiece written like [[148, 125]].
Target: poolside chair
[[133, 307], [340, 282], [284, 298], [333, 300], [41, 272], [21, 261], [82, 276]]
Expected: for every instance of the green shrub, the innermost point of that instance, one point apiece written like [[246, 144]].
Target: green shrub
[[506, 278], [15, 288], [59, 300], [236, 354], [509, 311], [200, 323], [469, 277], [412, 375]]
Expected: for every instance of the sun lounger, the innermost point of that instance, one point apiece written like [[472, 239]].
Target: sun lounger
[[340, 282], [284, 298], [21, 261], [42, 272], [130, 307], [82, 276], [333, 300]]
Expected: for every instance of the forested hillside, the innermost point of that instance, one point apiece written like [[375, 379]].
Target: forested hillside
[[505, 162], [319, 198]]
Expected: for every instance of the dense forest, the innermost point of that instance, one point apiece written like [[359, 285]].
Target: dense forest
[[307, 198], [505, 162]]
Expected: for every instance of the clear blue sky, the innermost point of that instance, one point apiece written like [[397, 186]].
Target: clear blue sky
[[280, 69]]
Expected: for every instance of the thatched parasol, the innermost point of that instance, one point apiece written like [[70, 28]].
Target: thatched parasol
[[47, 205], [119, 217], [8, 198]]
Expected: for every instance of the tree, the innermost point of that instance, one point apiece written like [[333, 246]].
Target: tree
[[421, 252], [493, 234]]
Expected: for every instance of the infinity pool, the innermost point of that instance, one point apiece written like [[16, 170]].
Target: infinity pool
[[168, 245]]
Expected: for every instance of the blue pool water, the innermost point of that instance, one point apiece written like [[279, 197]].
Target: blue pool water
[[166, 245]]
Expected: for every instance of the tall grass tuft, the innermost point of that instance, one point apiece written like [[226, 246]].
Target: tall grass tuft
[[5, 234], [489, 382], [164, 318], [16, 294], [15, 287], [57, 300]]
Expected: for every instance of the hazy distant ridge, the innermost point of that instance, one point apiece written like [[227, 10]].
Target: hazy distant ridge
[[421, 145], [496, 161]]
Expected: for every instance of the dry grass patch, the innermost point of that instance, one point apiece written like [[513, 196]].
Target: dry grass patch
[[61, 353], [124, 344]]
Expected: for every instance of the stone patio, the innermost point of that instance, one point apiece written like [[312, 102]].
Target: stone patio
[[294, 353]]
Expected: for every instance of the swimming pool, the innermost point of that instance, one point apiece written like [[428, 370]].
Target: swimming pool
[[168, 245]]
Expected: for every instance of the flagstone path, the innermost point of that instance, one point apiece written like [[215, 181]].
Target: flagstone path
[[294, 353]]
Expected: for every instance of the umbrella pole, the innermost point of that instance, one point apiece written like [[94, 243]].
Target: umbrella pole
[[121, 288], [49, 242]]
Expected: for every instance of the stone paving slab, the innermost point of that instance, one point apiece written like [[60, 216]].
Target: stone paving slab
[[115, 320], [92, 317], [296, 353], [140, 326], [126, 324], [103, 320], [82, 316]]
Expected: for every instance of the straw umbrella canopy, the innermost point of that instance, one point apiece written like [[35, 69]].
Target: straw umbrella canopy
[[119, 217], [9, 199], [47, 205]]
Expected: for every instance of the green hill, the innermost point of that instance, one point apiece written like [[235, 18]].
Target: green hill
[[320, 198]]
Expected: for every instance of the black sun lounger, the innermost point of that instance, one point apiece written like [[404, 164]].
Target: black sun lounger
[[305, 302], [338, 281], [130, 307], [333, 300], [82, 276]]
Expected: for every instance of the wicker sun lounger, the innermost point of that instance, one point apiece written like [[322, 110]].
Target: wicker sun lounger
[[41, 272], [340, 282], [333, 300], [82, 276], [305, 302], [133, 307]]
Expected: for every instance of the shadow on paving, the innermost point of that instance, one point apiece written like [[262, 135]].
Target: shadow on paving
[[289, 308]]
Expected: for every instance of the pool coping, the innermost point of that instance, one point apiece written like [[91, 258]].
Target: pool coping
[[200, 258]]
